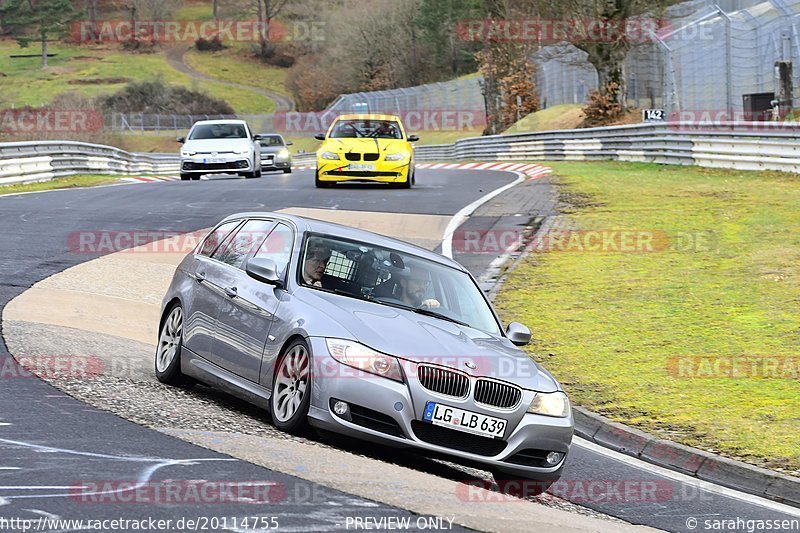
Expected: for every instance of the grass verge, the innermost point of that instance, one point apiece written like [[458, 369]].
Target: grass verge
[[67, 182], [698, 342]]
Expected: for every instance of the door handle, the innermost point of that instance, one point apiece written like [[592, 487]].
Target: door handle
[[230, 291], [200, 276]]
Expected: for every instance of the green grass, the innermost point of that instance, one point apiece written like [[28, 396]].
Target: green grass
[[232, 65], [560, 117], [609, 325], [90, 71], [58, 183]]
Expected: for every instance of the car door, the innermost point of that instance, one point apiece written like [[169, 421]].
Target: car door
[[245, 317], [206, 296]]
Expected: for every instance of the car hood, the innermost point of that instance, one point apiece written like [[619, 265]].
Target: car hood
[[271, 149], [217, 145], [420, 338], [364, 145]]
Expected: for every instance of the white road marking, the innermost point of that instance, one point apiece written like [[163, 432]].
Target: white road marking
[[464, 213], [9, 468], [686, 479]]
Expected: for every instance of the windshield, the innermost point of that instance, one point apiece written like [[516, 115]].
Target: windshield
[[272, 140], [218, 131], [371, 129], [394, 278]]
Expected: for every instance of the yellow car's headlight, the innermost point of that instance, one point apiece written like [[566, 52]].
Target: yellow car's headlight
[[399, 156], [550, 404], [330, 155]]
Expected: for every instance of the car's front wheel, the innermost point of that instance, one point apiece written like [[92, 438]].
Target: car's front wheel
[[287, 170], [168, 352], [185, 176], [319, 183], [291, 389]]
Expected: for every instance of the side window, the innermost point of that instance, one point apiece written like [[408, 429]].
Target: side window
[[216, 237], [278, 247], [234, 251]]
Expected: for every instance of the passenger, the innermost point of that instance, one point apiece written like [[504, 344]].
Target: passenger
[[413, 288], [317, 256]]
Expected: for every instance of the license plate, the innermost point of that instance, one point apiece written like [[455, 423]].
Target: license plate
[[461, 420], [213, 160], [353, 166]]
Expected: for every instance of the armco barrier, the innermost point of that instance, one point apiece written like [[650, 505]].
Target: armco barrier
[[22, 162], [737, 145]]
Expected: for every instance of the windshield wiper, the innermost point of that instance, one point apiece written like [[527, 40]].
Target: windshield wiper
[[428, 312], [423, 311]]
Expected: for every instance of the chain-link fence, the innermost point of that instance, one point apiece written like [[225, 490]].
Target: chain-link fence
[[461, 93], [713, 55]]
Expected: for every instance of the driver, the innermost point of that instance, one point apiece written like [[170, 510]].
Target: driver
[[413, 287], [317, 256]]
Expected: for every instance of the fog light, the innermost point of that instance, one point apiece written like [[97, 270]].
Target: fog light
[[552, 459], [341, 408]]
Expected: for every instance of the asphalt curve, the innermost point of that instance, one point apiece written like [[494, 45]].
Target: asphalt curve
[[58, 440]]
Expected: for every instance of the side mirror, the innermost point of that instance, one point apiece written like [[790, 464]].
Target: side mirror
[[413, 138], [518, 334], [289, 143], [320, 136], [257, 137], [181, 139], [264, 270]]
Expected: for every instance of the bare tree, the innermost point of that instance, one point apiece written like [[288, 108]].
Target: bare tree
[[266, 11]]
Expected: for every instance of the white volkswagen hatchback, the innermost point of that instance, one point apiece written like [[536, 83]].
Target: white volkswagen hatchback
[[220, 147]]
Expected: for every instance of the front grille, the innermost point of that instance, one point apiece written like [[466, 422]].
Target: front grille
[[362, 173], [443, 381], [371, 157], [529, 457], [375, 421], [350, 156], [496, 394], [191, 165], [457, 440]]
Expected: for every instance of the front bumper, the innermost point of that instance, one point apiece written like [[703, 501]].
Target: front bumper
[[268, 163], [232, 165], [384, 171], [389, 412]]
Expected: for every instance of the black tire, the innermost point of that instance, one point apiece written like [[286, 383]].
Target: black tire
[[286, 384], [287, 170], [195, 177], [186, 177], [258, 173], [320, 184], [414, 177], [168, 350], [248, 175], [405, 184]]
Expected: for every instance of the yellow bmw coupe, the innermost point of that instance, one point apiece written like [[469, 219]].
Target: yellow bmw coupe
[[366, 147]]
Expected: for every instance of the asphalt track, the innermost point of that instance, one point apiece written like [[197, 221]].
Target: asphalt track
[[48, 440]]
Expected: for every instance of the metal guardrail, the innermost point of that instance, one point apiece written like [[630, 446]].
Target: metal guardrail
[[737, 145], [22, 162]]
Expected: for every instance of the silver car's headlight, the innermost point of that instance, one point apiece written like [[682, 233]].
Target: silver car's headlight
[[330, 155], [186, 153], [399, 156], [242, 152], [358, 356], [550, 404], [283, 154]]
